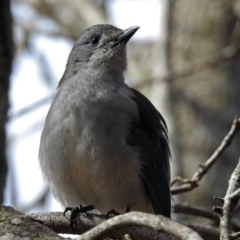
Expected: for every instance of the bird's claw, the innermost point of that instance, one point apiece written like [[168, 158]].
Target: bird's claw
[[112, 213], [75, 211]]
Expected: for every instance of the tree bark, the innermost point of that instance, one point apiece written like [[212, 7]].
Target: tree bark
[[16, 225], [6, 46]]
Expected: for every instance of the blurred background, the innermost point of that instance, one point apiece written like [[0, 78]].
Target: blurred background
[[175, 37]]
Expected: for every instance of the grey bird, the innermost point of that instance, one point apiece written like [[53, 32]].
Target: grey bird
[[104, 144]]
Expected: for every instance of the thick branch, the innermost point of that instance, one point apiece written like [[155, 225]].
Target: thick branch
[[16, 225], [157, 223], [60, 224], [138, 225]]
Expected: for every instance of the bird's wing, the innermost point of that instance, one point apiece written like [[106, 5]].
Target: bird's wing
[[149, 135]]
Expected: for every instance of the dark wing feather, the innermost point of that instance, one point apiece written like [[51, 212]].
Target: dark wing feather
[[149, 135]]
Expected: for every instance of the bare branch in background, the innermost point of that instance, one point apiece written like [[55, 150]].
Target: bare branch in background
[[86, 13], [33, 28], [206, 231], [189, 184], [40, 200], [231, 200], [201, 212], [32, 107], [196, 211], [211, 60]]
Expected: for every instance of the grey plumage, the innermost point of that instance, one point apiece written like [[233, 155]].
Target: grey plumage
[[104, 144]]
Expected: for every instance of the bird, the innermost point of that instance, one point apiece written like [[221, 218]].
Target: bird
[[104, 146]]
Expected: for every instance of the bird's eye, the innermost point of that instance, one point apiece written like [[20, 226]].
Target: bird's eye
[[95, 40]]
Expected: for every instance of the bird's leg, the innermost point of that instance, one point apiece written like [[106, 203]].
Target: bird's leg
[[76, 210], [112, 213], [127, 209]]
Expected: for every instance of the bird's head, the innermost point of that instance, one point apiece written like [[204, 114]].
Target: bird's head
[[101, 47]]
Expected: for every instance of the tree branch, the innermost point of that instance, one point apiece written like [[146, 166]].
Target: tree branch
[[206, 231], [201, 212], [230, 202], [157, 223], [32, 107], [138, 225], [196, 211], [16, 225], [189, 184]]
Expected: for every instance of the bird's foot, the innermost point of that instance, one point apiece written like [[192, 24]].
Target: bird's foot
[[112, 213], [77, 210], [127, 209]]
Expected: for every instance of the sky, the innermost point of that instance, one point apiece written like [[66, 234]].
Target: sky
[[27, 87]]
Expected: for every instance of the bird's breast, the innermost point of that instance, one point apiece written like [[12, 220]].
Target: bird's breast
[[93, 163]]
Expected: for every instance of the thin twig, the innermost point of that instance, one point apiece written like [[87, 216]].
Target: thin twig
[[202, 170], [32, 27]]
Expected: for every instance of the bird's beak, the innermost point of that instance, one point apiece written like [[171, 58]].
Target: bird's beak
[[126, 35]]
